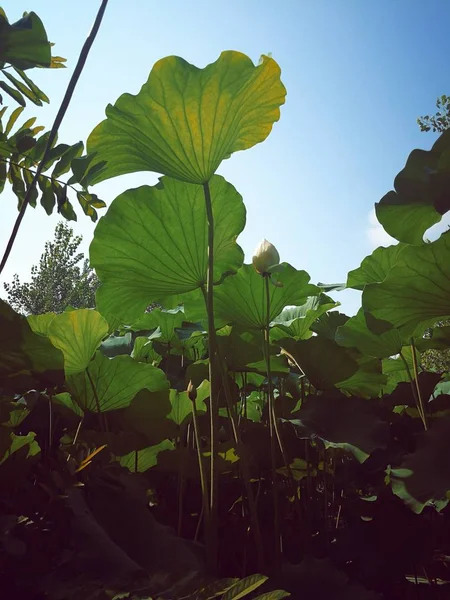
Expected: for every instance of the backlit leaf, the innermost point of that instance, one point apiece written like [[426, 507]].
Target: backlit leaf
[[153, 243], [77, 333], [112, 383], [416, 292], [240, 299], [185, 121]]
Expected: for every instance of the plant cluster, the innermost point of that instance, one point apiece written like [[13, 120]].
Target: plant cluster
[[244, 425]]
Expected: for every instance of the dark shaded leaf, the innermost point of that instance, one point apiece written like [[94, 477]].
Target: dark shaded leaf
[[341, 422]]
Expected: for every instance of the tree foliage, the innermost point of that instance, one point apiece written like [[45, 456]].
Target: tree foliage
[[63, 278], [25, 46], [440, 121]]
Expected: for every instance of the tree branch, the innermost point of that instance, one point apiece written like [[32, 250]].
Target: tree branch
[[58, 120]]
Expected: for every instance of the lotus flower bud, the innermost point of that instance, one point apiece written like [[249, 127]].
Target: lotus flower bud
[[266, 256]]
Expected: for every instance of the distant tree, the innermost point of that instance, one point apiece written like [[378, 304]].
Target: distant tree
[[63, 278], [439, 122]]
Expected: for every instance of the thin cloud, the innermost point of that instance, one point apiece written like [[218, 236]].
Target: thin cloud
[[376, 234]]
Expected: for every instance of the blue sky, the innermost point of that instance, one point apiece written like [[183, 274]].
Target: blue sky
[[358, 74]]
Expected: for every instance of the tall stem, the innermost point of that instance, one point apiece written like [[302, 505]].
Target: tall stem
[[214, 405], [416, 379], [101, 416], [415, 386], [272, 426], [253, 509], [202, 469]]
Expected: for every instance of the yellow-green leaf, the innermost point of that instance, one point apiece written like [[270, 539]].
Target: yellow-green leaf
[[185, 121], [77, 334]]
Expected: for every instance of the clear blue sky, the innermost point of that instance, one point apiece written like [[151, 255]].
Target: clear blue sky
[[358, 73]]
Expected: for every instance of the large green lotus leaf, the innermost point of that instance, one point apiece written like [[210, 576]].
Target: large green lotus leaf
[[144, 351], [16, 442], [438, 338], [253, 406], [322, 360], [77, 333], [423, 478], [239, 348], [327, 324], [278, 365], [421, 196], [374, 268], [139, 461], [186, 120], [240, 299], [24, 44], [65, 400], [181, 410], [158, 414], [152, 243], [355, 333], [369, 379], [112, 383], [416, 291], [114, 345], [242, 351], [395, 370], [12, 413], [295, 321], [340, 422], [27, 360], [41, 323], [166, 320]]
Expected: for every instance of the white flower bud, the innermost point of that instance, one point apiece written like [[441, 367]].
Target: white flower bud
[[266, 256]]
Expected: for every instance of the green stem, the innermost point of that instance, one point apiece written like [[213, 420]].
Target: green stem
[[256, 530], [101, 416], [414, 389], [214, 405], [416, 379], [201, 463], [272, 427]]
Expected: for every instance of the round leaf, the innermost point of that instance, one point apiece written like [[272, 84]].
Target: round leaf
[[340, 422], [322, 360], [241, 298], [422, 192], [153, 243], [355, 333], [112, 383], [424, 476], [416, 291], [186, 120], [375, 267], [77, 333]]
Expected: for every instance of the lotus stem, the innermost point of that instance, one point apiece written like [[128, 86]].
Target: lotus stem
[[272, 426], [214, 405]]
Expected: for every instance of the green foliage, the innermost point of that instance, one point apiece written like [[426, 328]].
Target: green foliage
[[162, 251], [59, 281], [421, 194], [185, 121], [416, 291], [24, 46], [241, 402], [440, 121], [20, 154]]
